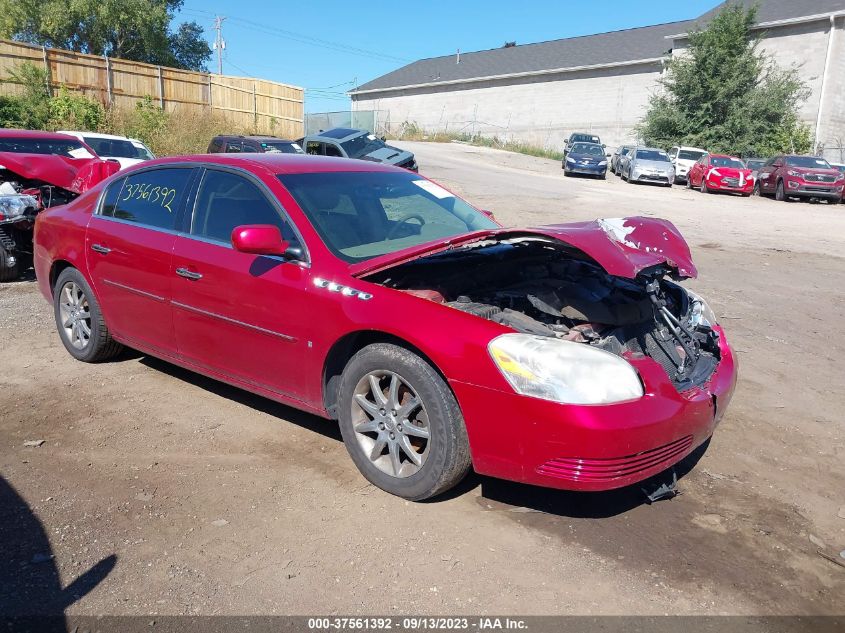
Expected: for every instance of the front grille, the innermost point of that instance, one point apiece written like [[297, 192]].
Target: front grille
[[731, 182], [819, 178], [586, 469]]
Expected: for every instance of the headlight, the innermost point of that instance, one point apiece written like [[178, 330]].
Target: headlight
[[795, 174], [14, 206], [602, 163], [700, 313], [563, 371], [569, 159]]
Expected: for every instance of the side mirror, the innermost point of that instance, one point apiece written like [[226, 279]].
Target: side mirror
[[259, 239]]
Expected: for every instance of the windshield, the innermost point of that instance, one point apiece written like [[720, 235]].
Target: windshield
[[362, 145], [807, 161], [283, 148], [722, 161], [70, 148], [687, 154], [590, 149], [652, 154], [840, 168], [116, 148], [360, 215], [584, 138]]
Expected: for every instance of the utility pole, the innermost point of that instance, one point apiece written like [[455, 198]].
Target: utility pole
[[219, 43]]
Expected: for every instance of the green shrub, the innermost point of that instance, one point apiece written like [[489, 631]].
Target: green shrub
[[70, 111]]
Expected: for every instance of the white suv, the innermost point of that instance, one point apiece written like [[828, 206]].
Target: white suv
[[126, 151], [683, 158]]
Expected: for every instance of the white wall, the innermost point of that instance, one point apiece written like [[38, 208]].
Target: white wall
[[538, 110]]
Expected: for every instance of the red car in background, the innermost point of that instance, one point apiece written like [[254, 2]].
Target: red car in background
[[719, 172], [561, 356], [811, 177], [39, 170]]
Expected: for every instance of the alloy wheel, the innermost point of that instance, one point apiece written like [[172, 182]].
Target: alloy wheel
[[75, 315], [390, 423]]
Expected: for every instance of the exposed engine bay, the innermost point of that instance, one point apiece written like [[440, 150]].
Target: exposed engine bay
[[541, 287]]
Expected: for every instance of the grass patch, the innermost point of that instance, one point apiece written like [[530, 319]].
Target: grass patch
[[413, 132]]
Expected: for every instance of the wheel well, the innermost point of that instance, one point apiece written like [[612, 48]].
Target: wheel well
[[56, 270], [349, 345]]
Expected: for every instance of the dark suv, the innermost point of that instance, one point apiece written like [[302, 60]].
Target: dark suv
[[232, 144], [800, 177]]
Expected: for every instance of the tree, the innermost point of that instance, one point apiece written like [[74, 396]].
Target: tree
[[139, 30], [726, 95]]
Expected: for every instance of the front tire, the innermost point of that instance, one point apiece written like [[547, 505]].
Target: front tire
[[79, 320], [401, 423], [780, 193]]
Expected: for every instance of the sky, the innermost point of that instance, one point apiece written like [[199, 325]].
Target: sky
[[326, 46]]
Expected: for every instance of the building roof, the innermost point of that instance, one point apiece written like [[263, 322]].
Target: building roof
[[604, 49], [777, 10], [616, 47]]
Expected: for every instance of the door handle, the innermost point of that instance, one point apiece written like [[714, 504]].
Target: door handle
[[188, 274], [100, 249]]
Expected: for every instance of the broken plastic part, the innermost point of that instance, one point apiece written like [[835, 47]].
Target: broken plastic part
[[666, 490]]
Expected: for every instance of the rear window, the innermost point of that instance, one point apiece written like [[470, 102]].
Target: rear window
[[151, 198], [283, 148], [60, 147]]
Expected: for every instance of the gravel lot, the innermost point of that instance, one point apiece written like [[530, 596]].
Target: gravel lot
[[179, 495]]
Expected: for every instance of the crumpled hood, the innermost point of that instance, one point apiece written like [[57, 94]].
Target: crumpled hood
[[389, 155], [73, 174], [622, 246]]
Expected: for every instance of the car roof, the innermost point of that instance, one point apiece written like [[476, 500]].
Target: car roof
[[340, 133], [113, 137], [642, 148], [56, 136], [694, 149], [253, 138], [279, 163]]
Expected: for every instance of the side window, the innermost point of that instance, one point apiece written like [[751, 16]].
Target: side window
[[216, 146], [333, 150], [150, 197], [234, 147], [227, 200], [314, 147], [251, 147]]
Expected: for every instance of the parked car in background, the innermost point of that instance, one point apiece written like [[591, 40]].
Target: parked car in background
[[719, 172], [841, 168], [580, 137], [126, 151], [793, 176], [39, 170], [649, 164], [360, 144], [683, 158], [616, 157], [585, 158], [238, 144], [367, 294]]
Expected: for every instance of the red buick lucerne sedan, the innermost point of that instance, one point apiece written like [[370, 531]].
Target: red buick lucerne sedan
[[719, 172], [561, 356]]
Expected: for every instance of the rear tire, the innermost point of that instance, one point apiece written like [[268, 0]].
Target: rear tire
[[79, 320], [408, 437], [7, 272]]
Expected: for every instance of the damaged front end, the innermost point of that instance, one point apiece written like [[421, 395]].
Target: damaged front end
[[30, 183], [540, 283]]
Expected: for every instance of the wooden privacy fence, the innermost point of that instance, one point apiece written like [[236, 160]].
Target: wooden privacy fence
[[266, 106]]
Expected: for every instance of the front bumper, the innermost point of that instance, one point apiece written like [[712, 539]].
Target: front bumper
[[592, 170], [731, 185], [802, 189], [665, 178], [595, 447]]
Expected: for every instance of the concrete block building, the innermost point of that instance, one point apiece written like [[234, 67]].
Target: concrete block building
[[540, 93]]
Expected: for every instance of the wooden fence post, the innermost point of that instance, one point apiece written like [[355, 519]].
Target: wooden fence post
[[254, 108], [108, 80], [160, 89], [48, 74]]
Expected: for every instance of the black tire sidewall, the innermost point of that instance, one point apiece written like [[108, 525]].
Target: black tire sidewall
[[8, 273], [97, 339], [447, 439]]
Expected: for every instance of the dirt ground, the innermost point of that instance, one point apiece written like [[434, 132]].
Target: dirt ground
[[173, 494]]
